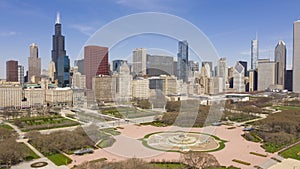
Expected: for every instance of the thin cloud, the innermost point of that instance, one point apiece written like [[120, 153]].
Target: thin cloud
[[85, 29], [11, 33]]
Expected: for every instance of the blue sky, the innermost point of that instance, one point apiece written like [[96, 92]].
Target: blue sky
[[229, 24]]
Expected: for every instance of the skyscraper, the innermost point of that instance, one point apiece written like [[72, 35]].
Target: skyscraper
[[254, 53], [139, 57], [80, 65], [95, 63], [51, 71], [34, 62], [12, 71], [58, 50], [238, 77], [280, 61], [266, 74], [21, 74], [183, 61], [63, 71], [296, 57], [244, 64], [222, 71]]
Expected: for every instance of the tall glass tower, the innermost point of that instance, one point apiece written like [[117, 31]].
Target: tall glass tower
[[280, 61], [59, 55], [254, 54], [183, 61], [296, 57]]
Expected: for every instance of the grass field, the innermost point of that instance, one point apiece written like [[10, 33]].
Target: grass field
[[30, 155], [6, 126], [59, 159], [43, 122], [293, 152], [287, 107], [170, 165]]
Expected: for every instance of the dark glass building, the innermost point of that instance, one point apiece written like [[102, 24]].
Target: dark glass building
[[183, 61], [63, 71], [244, 64], [59, 55], [12, 71]]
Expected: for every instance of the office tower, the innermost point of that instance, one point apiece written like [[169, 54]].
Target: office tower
[[51, 71], [210, 64], [21, 74], [208, 69], [215, 85], [58, 47], [230, 76], [123, 83], [12, 71], [175, 72], [95, 63], [252, 80], [296, 57], [80, 65], [238, 77], [116, 64], [63, 71], [280, 61], [169, 85], [289, 80], [254, 53], [266, 74], [244, 64], [183, 61], [222, 71], [104, 87], [159, 65], [78, 80], [34, 62], [139, 62], [194, 66]]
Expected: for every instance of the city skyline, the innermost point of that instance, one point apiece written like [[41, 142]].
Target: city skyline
[[34, 28]]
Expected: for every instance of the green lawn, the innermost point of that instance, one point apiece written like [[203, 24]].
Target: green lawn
[[6, 126], [293, 152], [271, 148], [108, 142], [30, 155], [43, 122], [287, 107], [59, 159], [112, 131], [169, 165]]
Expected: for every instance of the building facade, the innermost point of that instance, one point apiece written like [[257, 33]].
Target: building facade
[[296, 57], [159, 65], [266, 74], [35, 97], [139, 56], [34, 62], [254, 53], [183, 61], [140, 88], [21, 75], [95, 63], [59, 97], [104, 87], [12, 71], [11, 96], [239, 77], [280, 61]]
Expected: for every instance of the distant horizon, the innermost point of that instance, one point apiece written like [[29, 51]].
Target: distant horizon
[[237, 24]]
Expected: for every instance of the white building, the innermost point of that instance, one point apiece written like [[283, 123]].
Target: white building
[[265, 74], [140, 88], [78, 81], [139, 61], [21, 74], [296, 57], [34, 97], [124, 83], [59, 96], [11, 96], [239, 77]]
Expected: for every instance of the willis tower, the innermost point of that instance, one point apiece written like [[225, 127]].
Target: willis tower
[[59, 57]]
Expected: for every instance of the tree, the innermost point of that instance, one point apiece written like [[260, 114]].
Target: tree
[[199, 159]]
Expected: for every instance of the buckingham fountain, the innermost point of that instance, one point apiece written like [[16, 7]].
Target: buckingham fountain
[[182, 141]]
